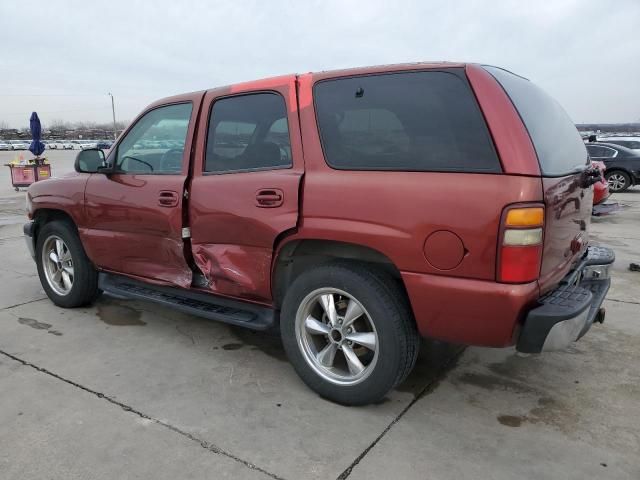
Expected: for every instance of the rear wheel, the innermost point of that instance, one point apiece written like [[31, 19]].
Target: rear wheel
[[618, 180], [349, 333], [66, 274]]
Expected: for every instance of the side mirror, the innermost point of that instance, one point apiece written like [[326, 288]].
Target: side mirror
[[91, 160]]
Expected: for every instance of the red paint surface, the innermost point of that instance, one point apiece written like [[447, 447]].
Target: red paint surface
[[601, 188], [567, 217], [510, 136], [128, 231], [468, 311], [444, 250]]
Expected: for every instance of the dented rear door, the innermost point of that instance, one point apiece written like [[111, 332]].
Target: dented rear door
[[244, 191]]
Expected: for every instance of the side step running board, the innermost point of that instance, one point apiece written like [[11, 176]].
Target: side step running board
[[203, 305]]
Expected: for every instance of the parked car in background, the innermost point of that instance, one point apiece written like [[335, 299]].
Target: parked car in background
[[622, 164], [85, 144], [632, 143], [446, 200], [4, 145], [19, 144], [600, 188], [104, 144]]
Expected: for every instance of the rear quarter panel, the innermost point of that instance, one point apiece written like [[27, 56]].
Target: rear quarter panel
[[395, 212], [568, 209]]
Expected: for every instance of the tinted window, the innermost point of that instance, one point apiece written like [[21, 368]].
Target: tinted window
[[155, 144], [595, 151], [422, 121], [248, 132], [558, 144], [608, 152]]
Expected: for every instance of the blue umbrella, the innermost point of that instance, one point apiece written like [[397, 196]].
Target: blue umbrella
[[36, 147]]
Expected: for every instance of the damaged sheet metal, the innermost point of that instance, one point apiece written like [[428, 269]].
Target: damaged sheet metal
[[235, 270]]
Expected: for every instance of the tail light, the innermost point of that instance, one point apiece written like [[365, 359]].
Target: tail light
[[521, 237]]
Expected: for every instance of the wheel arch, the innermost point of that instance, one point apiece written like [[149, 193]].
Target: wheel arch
[[42, 216], [297, 256]]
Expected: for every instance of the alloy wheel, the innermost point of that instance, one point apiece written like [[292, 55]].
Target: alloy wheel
[[616, 182], [57, 264], [337, 336]]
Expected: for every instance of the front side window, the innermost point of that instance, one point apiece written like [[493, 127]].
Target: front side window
[[417, 121], [248, 132], [155, 144]]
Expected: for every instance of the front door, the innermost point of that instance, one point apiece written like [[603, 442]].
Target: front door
[[244, 192], [134, 214]]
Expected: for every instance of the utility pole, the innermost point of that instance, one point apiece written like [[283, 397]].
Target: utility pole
[[113, 110]]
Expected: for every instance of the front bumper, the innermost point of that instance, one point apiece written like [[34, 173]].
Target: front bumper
[[29, 237], [565, 314]]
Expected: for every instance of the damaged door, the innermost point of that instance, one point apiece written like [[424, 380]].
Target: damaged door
[[134, 212], [244, 191]]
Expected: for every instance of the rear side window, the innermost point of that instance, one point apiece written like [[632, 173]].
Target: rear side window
[[601, 151], [418, 121], [248, 132], [558, 144]]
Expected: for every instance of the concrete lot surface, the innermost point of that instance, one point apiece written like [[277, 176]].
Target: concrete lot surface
[[130, 390]]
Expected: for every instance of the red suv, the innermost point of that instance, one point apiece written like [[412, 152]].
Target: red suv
[[357, 210]]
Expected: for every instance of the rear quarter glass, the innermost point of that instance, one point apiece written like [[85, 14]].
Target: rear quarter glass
[[407, 121], [559, 146]]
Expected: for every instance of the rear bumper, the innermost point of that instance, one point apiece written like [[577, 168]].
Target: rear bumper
[[468, 311], [28, 230], [565, 314]]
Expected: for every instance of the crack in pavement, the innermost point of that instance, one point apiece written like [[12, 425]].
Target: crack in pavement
[[429, 387], [622, 301], [23, 303], [203, 443]]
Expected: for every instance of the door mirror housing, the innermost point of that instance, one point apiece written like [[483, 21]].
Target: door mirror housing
[[91, 160]]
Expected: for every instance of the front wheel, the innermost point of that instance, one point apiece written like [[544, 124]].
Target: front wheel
[[618, 181], [66, 274], [349, 332]]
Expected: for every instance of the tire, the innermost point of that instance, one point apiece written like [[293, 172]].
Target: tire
[[386, 327], [618, 180], [80, 273]]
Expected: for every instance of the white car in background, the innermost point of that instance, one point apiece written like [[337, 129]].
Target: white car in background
[[88, 144], [4, 145], [19, 144], [67, 145]]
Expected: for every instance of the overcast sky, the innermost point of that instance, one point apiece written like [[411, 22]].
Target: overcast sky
[[61, 58]]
